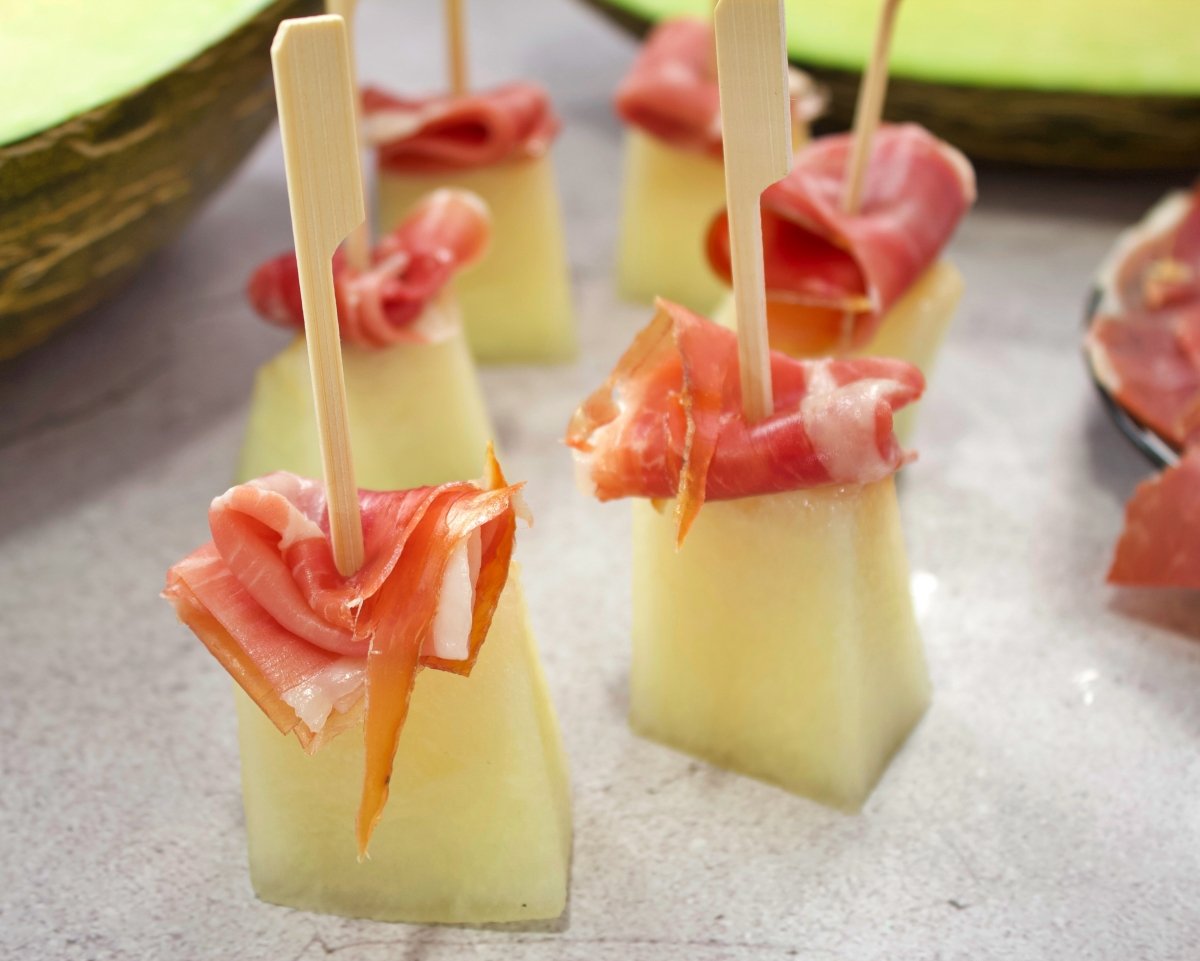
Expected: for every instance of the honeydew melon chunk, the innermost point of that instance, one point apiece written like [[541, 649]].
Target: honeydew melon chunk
[[780, 640], [516, 302], [417, 415], [477, 827], [669, 198]]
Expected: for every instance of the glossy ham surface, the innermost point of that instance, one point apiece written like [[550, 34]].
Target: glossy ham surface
[[388, 303], [446, 132], [668, 421], [316, 650], [671, 91], [918, 189]]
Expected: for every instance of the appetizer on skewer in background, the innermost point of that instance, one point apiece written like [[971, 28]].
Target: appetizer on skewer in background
[[385, 630]]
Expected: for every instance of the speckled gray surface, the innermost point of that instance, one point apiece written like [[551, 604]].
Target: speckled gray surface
[[1046, 808]]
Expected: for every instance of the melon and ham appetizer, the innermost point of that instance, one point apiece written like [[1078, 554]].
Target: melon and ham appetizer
[[339, 662], [773, 629], [416, 410], [674, 182], [1143, 344], [874, 281], [516, 299]]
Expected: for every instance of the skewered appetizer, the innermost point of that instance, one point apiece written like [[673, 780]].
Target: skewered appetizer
[[516, 301], [416, 411], [1144, 347], [778, 639], [456, 772], [674, 183]]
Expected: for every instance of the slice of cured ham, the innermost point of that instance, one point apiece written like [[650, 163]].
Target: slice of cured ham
[[671, 91], [668, 421], [918, 189], [446, 132], [312, 647], [386, 303]]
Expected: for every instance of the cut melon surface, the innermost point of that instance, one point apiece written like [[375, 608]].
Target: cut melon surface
[[516, 302], [417, 415], [477, 827], [780, 640]]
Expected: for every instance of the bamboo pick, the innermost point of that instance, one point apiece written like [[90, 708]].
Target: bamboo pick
[[868, 111], [757, 133], [316, 118], [456, 45], [358, 244]]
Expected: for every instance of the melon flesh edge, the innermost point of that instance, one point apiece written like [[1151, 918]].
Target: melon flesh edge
[[780, 641], [516, 302], [417, 415], [912, 330], [477, 827]]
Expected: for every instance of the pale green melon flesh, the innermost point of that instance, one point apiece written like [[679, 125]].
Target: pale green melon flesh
[[516, 302], [59, 58], [478, 824], [417, 415], [1099, 46], [780, 641]]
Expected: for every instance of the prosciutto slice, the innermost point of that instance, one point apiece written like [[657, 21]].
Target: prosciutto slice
[[668, 421], [446, 132], [410, 267], [314, 648], [671, 90], [918, 189]]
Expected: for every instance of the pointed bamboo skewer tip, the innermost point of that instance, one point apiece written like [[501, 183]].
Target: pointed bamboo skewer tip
[[752, 74], [314, 94], [456, 46], [358, 244], [868, 111]]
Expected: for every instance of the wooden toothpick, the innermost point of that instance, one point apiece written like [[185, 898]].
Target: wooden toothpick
[[358, 244], [872, 90], [756, 129], [320, 151], [456, 45]]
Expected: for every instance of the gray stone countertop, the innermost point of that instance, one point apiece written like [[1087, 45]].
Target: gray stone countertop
[[1047, 807]]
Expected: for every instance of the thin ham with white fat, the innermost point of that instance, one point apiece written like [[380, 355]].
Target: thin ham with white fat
[[388, 302], [817, 255], [668, 421], [314, 648]]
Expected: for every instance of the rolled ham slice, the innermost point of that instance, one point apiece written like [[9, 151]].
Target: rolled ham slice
[[668, 421], [671, 90], [313, 648], [447, 132], [386, 304], [918, 189]]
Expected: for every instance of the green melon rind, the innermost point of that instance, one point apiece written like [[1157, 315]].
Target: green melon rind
[[86, 201], [1090, 131]]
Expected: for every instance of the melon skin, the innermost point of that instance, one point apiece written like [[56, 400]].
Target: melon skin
[[516, 301], [477, 827], [780, 641], [85, 202], [416, 413]]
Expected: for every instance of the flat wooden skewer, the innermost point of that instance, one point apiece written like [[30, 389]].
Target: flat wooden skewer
[[757, 132], [320, 151], [358, 244], [456, 46], [868, 111]]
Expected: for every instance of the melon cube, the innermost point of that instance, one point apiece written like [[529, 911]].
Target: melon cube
[[780, 640], [516, 301], [478, 824], [417, 415]]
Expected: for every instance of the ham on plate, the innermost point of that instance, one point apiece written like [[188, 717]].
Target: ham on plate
[[818, 257], [388, 302], [668, 421], [671, 91], [316, 650], [459, 132]]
